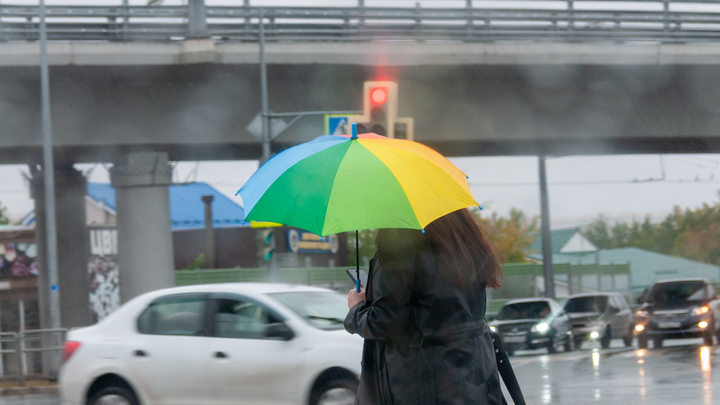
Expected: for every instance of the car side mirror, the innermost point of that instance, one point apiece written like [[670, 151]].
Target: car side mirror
[[614, 310], [279, 331]]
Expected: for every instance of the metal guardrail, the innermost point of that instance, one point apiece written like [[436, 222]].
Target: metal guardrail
[[570, 21], [20, 350]]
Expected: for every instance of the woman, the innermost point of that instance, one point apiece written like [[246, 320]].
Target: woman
[[426, 341]]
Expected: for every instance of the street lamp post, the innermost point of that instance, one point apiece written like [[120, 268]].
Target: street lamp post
[[548, 273], [49, 186]]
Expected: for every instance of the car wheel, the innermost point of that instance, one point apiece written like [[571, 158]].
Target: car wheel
[[335, 392], [551, 346], [642, 342], [568, 344], [577, 342], [113, 396], [657, 342], [606, 339], [627, 340], [708, 336]]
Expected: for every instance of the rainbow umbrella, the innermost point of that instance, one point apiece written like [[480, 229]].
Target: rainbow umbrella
[[337, 184]]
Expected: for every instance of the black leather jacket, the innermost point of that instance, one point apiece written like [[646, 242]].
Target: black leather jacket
[[426, 342]]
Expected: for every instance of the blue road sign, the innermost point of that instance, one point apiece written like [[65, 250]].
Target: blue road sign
[[336, 124]]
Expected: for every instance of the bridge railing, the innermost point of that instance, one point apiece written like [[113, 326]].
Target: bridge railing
[[561, 21]]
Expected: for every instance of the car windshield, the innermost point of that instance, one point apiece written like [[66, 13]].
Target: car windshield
[[524, 310], [593, 303], [323, 310], [676, 293]]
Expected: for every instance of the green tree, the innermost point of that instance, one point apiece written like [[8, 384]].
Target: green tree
[[599, 233], [692, 233], [619, 235], [512, 235]]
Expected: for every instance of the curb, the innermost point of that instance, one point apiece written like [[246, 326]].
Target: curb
[[48, 390]]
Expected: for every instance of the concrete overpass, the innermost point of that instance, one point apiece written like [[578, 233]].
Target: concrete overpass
[[195, 100], [140, 101]]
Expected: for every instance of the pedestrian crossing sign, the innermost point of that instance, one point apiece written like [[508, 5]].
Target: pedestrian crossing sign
[[336, 124]]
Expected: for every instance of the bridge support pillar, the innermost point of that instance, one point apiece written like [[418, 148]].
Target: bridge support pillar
[[145, 251], [70, 192]]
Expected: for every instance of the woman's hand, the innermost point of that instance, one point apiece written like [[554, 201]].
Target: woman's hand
[[355, 297]]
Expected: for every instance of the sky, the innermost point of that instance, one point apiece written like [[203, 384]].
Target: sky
[[580, 187]]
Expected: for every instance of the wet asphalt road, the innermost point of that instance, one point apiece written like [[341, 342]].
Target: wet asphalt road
[[682, 372]]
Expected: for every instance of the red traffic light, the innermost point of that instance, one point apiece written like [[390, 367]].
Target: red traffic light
[[379, 95]]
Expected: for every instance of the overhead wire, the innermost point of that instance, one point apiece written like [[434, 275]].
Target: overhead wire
[[573, 183]]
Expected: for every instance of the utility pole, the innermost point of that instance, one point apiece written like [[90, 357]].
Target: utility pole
[[265, 114], [210, 261], [49, 186], [548, 273]]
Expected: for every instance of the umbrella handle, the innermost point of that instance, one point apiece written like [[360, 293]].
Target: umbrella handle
[[357, 239]]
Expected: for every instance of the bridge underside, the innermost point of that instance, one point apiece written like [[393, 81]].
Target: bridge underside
[[451, 148], [200, 111]]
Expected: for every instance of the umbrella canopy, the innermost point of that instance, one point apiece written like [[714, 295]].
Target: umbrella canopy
[[338, 184]]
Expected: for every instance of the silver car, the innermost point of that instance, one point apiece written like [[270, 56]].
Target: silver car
[[599, 316]]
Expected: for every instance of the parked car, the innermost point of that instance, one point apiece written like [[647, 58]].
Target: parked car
[[599, 316], [678, 309], [239, 343], [533, 323]]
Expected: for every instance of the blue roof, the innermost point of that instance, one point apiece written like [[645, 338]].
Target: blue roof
[[102, 192], [187, 211]]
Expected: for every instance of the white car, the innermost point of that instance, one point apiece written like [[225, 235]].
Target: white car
[[239, 343]]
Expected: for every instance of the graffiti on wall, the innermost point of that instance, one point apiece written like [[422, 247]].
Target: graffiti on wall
[[18, 260], [103, 272]]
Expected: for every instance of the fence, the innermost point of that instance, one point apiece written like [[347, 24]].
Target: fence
[[677, 21], [42, 340], [524, 280], [521, 280], [334, 278]]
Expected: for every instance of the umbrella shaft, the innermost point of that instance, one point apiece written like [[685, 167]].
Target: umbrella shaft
[[357, 261]]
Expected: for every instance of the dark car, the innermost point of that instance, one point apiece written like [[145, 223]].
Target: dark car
[[678, 309], [599, 316], [531, 324]]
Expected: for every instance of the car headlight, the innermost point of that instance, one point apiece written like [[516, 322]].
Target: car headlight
[[541, 327], [700, 310], [493, 329], [594, 335]]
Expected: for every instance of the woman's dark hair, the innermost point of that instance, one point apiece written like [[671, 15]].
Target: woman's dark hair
[[458, 241]]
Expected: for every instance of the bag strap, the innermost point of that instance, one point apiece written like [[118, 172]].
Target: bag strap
[[506, 370]]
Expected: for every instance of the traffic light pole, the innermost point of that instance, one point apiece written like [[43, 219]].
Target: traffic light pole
[[267, 135], [548, 273]]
